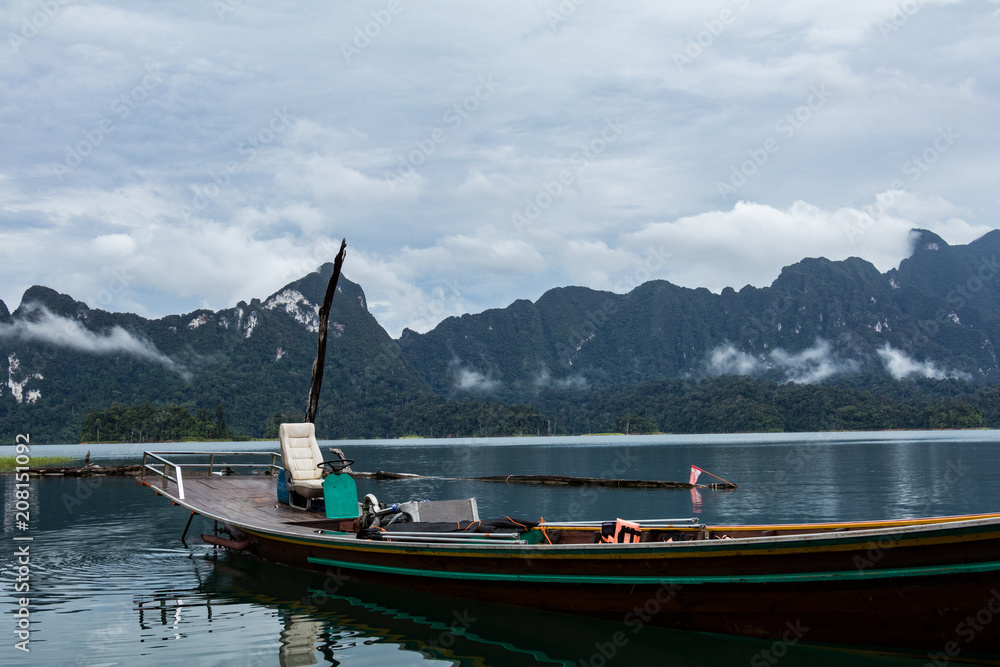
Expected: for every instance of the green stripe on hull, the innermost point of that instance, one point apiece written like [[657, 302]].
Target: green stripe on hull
[[846, 575]]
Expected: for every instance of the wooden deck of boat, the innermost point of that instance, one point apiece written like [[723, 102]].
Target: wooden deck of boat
[[244, 500]]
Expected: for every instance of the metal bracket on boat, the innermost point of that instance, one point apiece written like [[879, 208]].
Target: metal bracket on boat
[[223, 542], [462, 538], [186, 527]]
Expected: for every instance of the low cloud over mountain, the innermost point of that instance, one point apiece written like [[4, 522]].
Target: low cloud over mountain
[[40, 325]]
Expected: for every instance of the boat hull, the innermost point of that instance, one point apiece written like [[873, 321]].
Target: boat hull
[[915, 594], [916, 587]]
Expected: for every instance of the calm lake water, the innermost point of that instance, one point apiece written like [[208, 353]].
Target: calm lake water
[[112, 584]]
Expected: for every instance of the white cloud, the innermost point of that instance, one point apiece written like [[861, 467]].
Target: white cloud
[[50, 329], [469, 380], [900, 366], [812, 365], [750, 243], [727, 360], [113, 246], [544, 379], [809, 366]]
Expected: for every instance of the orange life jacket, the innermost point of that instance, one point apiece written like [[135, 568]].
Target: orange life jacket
[[620, 531]]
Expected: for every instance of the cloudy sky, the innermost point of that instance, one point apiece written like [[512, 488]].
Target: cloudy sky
[[158, 157]]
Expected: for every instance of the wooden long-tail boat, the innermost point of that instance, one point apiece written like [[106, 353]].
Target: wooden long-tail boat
[[925, 587]]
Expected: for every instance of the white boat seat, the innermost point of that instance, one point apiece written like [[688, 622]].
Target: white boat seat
[[300, 456]]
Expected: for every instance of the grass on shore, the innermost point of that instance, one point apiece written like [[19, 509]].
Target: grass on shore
[[8, 463]]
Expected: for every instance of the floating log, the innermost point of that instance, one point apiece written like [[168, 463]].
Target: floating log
[[551, 480], [547, 480], [564, 480], [85, 471], [382, 474]]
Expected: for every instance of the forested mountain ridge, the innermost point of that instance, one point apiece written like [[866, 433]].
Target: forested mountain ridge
[[937, 315], [587, 359], [65, 359]]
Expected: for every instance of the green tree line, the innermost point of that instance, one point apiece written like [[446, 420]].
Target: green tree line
[[739, 404], [723, 404], [149, 423]]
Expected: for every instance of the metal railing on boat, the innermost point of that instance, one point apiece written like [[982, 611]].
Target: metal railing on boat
[[160, 465], [513, 538], [464, 538]]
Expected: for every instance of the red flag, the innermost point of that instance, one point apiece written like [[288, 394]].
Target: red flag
[[695, 472]]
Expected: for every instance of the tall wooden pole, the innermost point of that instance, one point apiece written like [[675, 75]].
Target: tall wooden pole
[[312, 407]]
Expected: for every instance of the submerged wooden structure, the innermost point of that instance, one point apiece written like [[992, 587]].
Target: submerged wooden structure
[[91, 470], [553, 480]]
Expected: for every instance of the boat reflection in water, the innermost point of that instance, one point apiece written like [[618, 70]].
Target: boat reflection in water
[[328, 618]]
